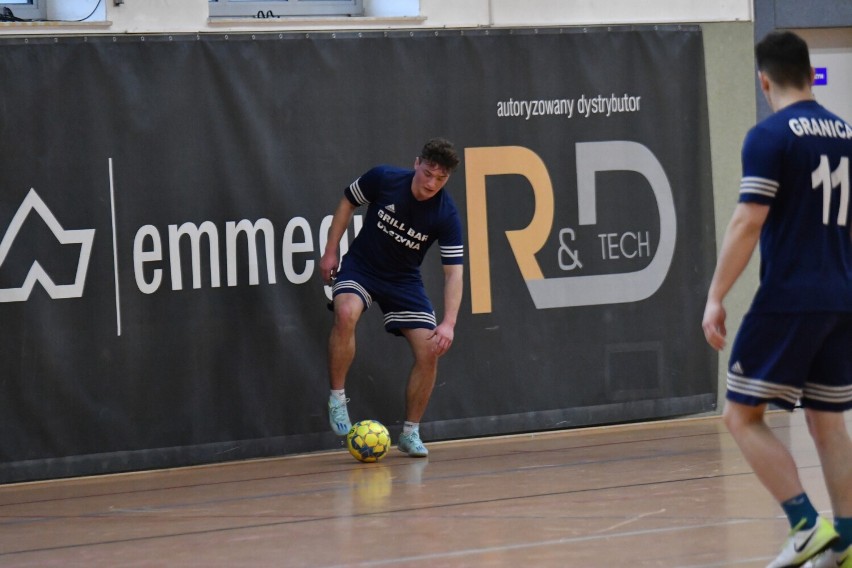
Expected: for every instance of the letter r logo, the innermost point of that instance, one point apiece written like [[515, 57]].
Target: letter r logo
[[592, 157], [503, 160]]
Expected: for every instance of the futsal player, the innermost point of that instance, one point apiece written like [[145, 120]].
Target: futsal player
[[795, 343], [407, 212]]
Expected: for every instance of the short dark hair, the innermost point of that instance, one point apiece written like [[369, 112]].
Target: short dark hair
[[440, 151], [784, 57]]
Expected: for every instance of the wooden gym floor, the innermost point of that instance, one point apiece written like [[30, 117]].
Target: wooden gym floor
[[668, 494]]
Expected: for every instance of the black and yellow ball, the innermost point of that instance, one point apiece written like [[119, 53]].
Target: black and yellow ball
[[368, 441]]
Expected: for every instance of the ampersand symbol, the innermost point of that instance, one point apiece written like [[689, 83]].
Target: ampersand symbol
[[564, 249]]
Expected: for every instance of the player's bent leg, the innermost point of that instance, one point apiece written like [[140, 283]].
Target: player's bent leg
[[766, 454], [834, 446], [421, 381], [775, 468], [341, 351], [341, 343]]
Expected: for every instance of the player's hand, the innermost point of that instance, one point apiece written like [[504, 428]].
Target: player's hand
[[442, 339], [714, 325], [328, 267]]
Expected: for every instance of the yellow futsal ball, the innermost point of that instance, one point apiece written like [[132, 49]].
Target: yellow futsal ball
[[368, 440]]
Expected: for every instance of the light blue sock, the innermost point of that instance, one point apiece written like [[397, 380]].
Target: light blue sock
[[409, 427]]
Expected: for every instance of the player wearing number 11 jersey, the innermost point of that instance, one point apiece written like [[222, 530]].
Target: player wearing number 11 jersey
[[795, 343], [797, 162]]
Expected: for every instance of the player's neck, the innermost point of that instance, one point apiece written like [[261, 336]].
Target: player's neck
[[782, 98]]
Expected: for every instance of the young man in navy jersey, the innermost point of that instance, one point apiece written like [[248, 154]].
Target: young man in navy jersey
[[407, 212], [795, 342]]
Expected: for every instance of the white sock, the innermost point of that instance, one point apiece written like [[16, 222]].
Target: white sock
[[339, 395], [409, 427]]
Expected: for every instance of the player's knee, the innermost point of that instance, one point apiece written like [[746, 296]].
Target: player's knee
[[346, 315], [730, 419], [426, 358], [826, 428], [738, 417], [809, 420]]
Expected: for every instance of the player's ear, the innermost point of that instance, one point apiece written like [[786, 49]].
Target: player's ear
[[812, 77], [764, 81]]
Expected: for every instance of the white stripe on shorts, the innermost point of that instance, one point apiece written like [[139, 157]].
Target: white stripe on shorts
[[408, 317], [762, 389], [832, 395], [352, 285]]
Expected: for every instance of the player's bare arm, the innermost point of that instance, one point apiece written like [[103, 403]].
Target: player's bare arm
[[330, 260], [738, 245], [453, 286]]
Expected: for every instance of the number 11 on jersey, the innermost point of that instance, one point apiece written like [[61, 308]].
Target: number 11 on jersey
[[823, 176]]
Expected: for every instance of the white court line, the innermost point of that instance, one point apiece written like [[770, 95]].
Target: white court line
[[761, 559], [114, 251], [521, 546], [631, 520]]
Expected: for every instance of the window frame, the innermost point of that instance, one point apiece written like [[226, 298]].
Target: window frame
[[30, 10], [284, 8]]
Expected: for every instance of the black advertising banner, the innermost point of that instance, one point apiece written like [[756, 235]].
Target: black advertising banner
[[164, 203]]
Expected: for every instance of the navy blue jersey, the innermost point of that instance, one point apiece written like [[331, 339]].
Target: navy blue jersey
[[797, 162], [398, 229]]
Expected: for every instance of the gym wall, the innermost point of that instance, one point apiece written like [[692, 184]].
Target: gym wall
[[165, 199]]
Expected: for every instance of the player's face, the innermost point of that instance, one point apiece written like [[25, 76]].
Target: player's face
[[428, 180]]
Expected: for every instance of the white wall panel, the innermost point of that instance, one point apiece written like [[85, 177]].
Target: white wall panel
[[591, 12], [189, 16]]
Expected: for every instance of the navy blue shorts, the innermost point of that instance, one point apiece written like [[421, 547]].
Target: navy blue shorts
[[790, 358], [404, 304]]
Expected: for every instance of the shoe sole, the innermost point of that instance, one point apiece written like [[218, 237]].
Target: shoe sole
[[413, 455], [814, 555]]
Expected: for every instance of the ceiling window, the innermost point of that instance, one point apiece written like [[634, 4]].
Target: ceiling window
[[12, 10], [284, 8]]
